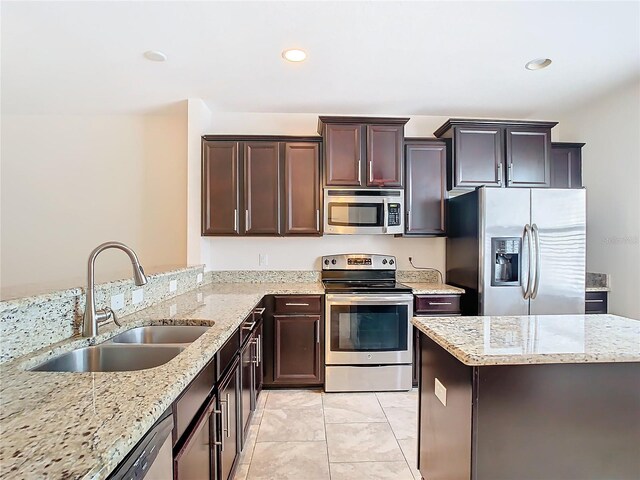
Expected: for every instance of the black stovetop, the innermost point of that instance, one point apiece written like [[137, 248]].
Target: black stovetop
[[365, 286]]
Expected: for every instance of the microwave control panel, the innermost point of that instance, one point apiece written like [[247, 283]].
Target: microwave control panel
[[394, 215]]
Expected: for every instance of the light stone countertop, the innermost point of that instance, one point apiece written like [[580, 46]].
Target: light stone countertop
[[597, 289], [433, 288], [82, 425], [536, 339]]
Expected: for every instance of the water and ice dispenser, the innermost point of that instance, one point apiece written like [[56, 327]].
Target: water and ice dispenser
[[506, 256]]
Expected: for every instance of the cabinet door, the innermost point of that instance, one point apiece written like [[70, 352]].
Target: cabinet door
[[258, 365], [297, 349], [229, 407], [246, 384], [343, 154], [262, 188], [528, 157], [196, 460], [478, 157], [302, 188], [220, 188], [566, 167], [425, 192], [384, 155]]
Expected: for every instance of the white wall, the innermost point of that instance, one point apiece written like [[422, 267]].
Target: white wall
[[72, 182], [610, 126]]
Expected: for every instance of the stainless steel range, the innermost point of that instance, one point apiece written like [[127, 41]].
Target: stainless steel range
[[368, 324]]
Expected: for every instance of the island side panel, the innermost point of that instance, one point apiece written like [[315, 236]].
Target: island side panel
[[558, 421], [445, 431]]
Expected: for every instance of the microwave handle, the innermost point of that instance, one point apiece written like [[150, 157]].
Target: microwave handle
[[385, 212]]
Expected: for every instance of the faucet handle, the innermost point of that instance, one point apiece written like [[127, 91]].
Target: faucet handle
[[107, 313]]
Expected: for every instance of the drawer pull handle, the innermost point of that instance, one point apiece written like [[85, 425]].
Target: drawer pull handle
[[249, 327], [259, 311], [595, 301], [440, 303], [297, 304]]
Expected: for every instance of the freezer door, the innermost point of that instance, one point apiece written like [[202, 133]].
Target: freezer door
[[504, 213], [559, 218]]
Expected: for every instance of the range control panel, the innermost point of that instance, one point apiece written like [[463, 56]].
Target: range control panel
[[394, 214], [358, 261]]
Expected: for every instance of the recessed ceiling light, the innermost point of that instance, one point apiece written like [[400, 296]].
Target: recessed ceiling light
[[538, 64], [294, 55], [155, 55]]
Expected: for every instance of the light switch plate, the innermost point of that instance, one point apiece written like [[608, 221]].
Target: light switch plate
[[117, 301], [199, 278], [173, 285], [137, 296], [441, 392], [173, 309], [263, 259]]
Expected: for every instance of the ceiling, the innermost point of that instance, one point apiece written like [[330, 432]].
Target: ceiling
[[409, 58]]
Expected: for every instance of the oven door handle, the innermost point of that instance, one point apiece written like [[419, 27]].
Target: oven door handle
[[369, 299]]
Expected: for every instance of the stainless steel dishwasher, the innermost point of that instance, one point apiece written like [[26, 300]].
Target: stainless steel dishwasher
[[152, 457]]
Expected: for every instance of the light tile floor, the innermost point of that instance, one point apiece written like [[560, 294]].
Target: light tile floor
[[309, 435]]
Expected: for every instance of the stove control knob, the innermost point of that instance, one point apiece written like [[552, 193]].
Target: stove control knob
[[326, 261], [333, 262], [384, 261], [391, 262]]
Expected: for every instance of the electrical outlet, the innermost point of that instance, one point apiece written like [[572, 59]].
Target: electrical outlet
[[137, 296], [117, 301], [263, 259], [173, 308], [199, 297], [173, 286], [199, 278]]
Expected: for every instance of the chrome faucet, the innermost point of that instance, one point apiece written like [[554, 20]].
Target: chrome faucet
[[91, 315]]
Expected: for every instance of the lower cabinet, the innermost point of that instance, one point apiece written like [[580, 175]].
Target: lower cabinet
[[250, 378], [298, 349], [596, 302], [228, 406], [196, 460]]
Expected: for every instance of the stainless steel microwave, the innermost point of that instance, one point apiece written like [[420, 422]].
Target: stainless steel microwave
[[363, 212]]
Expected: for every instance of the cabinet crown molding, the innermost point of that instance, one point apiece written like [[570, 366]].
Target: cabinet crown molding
[[260, 138], [322, 120], [567, 145], [484, 122]]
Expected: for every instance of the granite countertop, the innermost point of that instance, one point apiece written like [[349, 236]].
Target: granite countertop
[[82, 425], [520, 340], [420, 288]]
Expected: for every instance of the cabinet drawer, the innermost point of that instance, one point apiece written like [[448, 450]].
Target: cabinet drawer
[[226, 355], [192, 398], [285, 304], [437, 304], [595, 302]]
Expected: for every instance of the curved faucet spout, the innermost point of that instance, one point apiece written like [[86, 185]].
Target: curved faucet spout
[[91, 315]]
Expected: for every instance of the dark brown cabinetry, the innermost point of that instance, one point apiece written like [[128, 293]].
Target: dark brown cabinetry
[[596, 302], [298, 340], [244, 189], [566, 165], [261, 188], [425, 189], [363, 151], [301, 188], [196, 460], [220, 188], [497, 153], [228, 406]]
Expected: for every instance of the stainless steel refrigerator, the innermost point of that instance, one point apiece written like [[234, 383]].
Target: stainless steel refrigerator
[[518, 251]]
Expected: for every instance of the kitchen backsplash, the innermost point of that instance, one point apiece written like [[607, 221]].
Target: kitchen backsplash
[[30, 323]]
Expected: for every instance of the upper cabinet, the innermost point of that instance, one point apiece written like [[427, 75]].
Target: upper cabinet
[[363, 151], [497, 153], [566, 165], [425, 191], [266, 186]]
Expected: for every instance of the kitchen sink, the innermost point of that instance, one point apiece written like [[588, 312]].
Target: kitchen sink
[[160, 334], [111, 358]]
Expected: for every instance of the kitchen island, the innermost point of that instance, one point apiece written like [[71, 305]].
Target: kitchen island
[[529, 397]]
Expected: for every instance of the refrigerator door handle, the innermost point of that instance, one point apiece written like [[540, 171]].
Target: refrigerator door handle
[[527, 235], [536, 236]]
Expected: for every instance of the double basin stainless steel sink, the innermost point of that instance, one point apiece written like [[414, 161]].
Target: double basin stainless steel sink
[[136, 349]]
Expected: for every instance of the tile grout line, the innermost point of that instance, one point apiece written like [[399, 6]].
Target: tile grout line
[[326, 438], [257, 433], [394, 436]]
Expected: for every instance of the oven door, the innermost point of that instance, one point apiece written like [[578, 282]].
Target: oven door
[[368, 329]]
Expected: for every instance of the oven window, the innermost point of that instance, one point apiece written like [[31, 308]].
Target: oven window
[[356, 214], [369, 328]]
